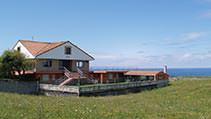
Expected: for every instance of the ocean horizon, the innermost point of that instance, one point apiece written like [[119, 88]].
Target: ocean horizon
[[171, 71]]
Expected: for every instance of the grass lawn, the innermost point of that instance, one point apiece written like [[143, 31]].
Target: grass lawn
[[184, 99]]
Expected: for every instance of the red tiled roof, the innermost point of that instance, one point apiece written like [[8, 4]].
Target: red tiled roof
[[142, 72], [111, 71], [37, 48]]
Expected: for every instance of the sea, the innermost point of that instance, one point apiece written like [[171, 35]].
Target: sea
[[189, 72], [171, 71]]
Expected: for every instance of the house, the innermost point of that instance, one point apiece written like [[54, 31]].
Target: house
[[146, 75], [106, 76], [50, 58]]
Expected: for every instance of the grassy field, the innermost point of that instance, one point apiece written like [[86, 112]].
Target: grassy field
[[183, 99]]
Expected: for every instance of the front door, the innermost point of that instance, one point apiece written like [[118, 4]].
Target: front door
[[65, 63]]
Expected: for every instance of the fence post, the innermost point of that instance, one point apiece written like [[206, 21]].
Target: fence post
[[38, 86]]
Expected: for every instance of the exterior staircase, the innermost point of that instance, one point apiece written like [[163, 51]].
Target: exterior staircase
[[60, 80], [89, 77], [71, 76]]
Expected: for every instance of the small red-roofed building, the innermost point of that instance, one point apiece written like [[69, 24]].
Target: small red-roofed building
[[106, 76]]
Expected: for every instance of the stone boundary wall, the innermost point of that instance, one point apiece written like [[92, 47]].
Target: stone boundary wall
[[22, 87]]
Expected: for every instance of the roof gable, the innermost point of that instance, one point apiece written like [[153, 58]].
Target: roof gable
[[37, 48], [53, 50], [23, 50], [59, 53]]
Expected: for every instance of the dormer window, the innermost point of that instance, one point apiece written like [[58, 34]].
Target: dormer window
[[68, 50], [19, 49]]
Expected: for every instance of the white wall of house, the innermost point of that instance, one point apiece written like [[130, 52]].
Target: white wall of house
[[23, 50], [59, 53]]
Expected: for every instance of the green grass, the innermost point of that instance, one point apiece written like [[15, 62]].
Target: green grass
[[184, 99]]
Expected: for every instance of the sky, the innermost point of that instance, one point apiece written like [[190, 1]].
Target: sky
[[118, 33]]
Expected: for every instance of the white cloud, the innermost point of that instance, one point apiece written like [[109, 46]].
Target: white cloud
[[186, 38], [155, 61], [120, 60], [140, 52], [141, 58], [192, 36], [186, 59], [104, 56], [206, 14]]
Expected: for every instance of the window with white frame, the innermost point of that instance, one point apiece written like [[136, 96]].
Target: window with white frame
[[80, 64]]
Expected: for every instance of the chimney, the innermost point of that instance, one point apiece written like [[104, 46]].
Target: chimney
[[165, 70]]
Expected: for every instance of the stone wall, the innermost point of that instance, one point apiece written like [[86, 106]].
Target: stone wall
[[22, 87]]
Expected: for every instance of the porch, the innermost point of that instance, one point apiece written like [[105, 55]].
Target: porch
[[48, 70], [57, 66]]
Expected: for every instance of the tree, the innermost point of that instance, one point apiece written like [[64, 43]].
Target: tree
[[1, 69], [13, 61]]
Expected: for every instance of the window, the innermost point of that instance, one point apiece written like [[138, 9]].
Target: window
[[61, 65], [79, 64], [45, 78], [19, 49], [144, 78], [47, 63], [110, 76], [151, 77], [67, 50]]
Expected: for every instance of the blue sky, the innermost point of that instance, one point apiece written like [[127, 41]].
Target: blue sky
[[123, 33]]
